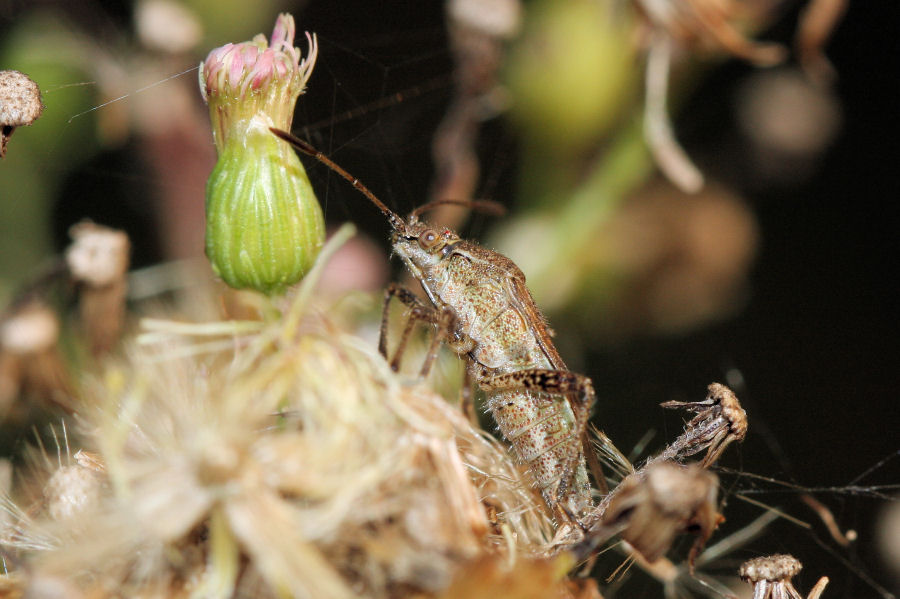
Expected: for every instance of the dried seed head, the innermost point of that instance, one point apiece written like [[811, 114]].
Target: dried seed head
[[98, 258], [20, 99], [771, 577], [773, 568], [661, 500], [98, 255], [73, 490], [715, 26], [20, 104], [30, 362], [32, 330], [720, 420], [212, 488]]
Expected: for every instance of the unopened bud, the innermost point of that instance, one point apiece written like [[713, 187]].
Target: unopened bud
[[264, 225]]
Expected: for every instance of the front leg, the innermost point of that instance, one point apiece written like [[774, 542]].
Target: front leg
[[444, 319]]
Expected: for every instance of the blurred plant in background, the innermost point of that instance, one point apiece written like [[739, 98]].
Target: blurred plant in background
[[610, 248], [578, 164], [603, 244]]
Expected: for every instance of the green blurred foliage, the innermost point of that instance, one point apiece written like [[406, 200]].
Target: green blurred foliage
[[227, 21], [575, 79], [573, 73]]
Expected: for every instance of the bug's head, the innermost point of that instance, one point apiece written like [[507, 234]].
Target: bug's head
[[420, 244]]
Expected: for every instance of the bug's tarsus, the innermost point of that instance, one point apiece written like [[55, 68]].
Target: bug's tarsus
[[419, 311]]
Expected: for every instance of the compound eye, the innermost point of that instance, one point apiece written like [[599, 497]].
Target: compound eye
[[428, 239]]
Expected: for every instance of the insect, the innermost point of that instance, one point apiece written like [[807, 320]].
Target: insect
[[484, 311]]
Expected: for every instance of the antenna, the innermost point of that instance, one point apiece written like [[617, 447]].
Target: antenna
[[396, 221]]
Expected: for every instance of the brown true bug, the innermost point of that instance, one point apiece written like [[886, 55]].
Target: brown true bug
[[485, 312]]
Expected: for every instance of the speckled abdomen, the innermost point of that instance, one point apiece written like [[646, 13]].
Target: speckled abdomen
[[541, 429]]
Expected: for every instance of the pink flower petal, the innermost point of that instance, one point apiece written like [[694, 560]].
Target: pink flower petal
[[263, 69], [283, 33]]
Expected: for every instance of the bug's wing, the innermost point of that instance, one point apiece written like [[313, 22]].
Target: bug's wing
[[521, 299]]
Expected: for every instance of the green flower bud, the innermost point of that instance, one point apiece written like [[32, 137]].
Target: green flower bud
[[264, 225]]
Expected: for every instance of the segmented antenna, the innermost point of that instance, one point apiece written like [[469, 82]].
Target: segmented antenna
[[396, 221]]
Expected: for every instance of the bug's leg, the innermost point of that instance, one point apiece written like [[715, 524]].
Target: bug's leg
[[576, 387], [419, 312], [446, 332], [445, 320], [581, 400]]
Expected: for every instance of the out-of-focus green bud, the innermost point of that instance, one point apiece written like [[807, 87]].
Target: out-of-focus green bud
[[571, 72], [264, 225]]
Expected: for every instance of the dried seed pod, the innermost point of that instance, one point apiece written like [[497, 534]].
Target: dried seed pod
[[650, 507], [771, 577], [818, 20], [98, 259], [33, 329], [689, 24], [75, 489], [20, 104], [98, 255], [720, 420], [29, 358], [711, 24]]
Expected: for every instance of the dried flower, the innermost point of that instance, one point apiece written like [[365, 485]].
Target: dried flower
[[818, 21], [678, 24], [98, 260], [30, 361], [264, 226], [31, 330], [720, 420], [711, 24], [75, 489], [656, 503], [216, 445], [20, 104], [98, 255], [771, 577]]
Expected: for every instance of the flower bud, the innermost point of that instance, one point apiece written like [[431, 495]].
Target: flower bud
[[264, 226]]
